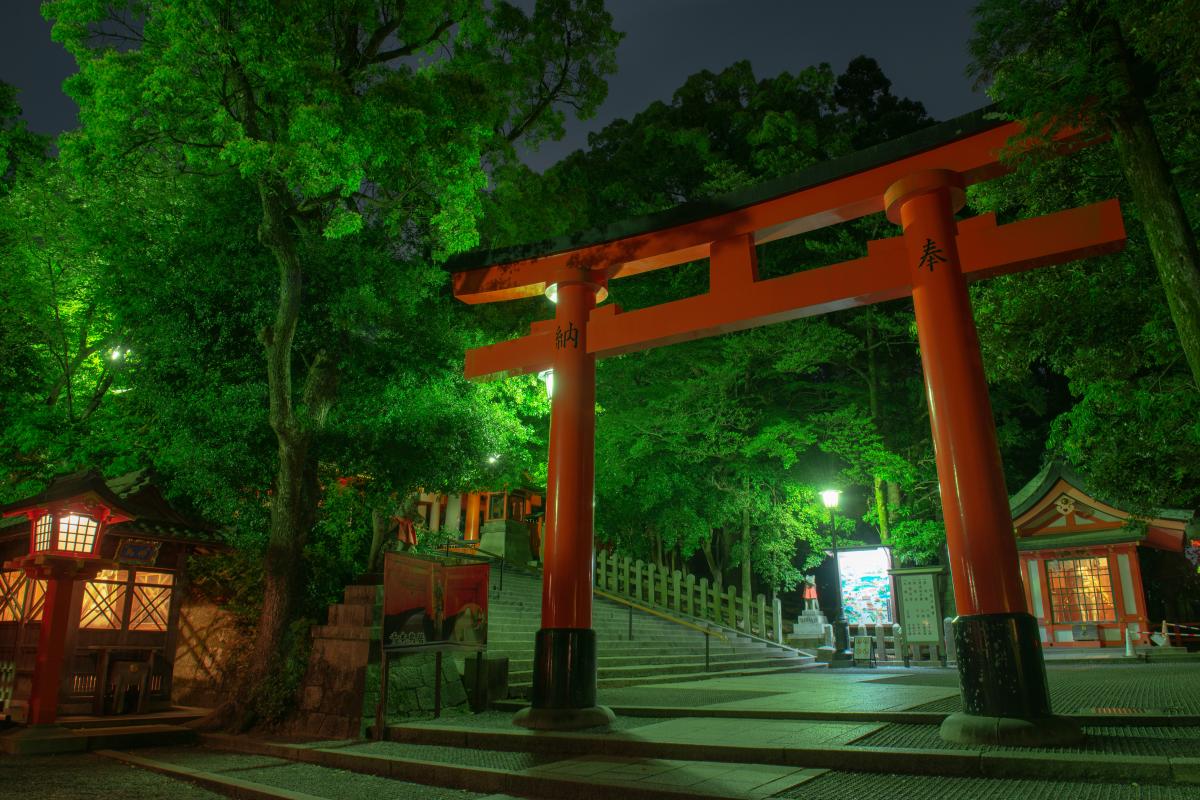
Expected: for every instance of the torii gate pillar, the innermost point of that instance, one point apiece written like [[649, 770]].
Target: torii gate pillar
[[564, 663], [1001, 672]]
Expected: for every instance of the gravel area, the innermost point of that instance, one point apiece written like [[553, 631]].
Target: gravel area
[[1089, 688], [856, 786], [1127, 741], [84, 776]]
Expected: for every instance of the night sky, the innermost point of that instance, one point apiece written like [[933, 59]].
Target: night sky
[[920, 45]]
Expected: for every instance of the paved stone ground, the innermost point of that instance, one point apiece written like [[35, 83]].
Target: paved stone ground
[[86, 777], [1091, 688], [1123, 740], [1160, 689], [1074, 688]]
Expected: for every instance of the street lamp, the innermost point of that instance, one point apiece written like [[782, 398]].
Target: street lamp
[[547, 377], [842, 655]]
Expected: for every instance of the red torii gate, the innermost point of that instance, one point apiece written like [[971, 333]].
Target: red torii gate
[[919, 181]]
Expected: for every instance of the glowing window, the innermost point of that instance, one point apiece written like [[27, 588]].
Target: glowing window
[[41, 540], [20, 598], [1081, 590], [12, 596], [104, 600], [76, 533], [34, 601], [151, 601]]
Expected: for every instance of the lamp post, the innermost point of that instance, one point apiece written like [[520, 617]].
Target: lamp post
[[67, 523], [842, 655]]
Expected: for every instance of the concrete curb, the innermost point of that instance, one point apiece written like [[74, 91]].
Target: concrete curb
[[222, 784], [1090, 720], [477, 779], [967, 762]]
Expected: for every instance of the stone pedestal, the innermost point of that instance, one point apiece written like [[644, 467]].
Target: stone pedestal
[[508, 539], [809, 630]]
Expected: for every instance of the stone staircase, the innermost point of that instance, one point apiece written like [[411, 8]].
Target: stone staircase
[[660, 651]]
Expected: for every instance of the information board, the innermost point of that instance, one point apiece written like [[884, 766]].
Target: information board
[[864, 649], [431, 603], [920, 609], [866, 585]]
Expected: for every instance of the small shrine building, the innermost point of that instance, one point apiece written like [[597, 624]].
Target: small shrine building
[[505, 522], [1092, 570], [123, 624]]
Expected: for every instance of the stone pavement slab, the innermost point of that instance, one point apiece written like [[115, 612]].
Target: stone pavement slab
[[820, 692], [754, 732], [750, 781]]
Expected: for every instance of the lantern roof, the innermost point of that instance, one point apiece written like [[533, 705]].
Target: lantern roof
[[87, 487], [134, 494]]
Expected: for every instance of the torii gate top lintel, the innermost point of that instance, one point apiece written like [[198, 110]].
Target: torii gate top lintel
[[826, 193], [962, 151]]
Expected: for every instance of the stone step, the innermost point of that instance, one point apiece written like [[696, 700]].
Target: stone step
[[518, 663], [511, 773], [640, 671], [644, 649], [522, 689], [649, 648]]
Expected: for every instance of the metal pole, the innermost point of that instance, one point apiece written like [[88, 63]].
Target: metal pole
[[437, 685], [841, 629], [837, 566], [381, 702]]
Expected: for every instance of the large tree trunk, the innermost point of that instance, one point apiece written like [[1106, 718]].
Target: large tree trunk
[[746, 542], [296, 491], [881, 499], [1171, 239], [380, 522], [714, 556]]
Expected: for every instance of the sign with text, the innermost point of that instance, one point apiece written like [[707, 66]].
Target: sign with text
[[920, 604], [433, 602]]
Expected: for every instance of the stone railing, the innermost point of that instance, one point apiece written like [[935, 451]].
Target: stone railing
[[684, 594]]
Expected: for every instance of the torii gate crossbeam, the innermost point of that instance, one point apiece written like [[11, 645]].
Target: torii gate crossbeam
[[920, 182]]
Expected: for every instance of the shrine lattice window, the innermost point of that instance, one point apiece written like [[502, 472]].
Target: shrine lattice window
[[1080, 590], [148, 595], [151, 601], [20, 598], [104, 600]]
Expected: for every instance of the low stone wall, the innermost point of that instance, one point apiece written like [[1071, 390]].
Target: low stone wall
[[207, 633], [340, 691]]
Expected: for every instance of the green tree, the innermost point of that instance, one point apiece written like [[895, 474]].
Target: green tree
[[337, 116], [1103, 65]]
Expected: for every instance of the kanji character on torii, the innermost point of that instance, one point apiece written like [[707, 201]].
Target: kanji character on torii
[[919, 181]]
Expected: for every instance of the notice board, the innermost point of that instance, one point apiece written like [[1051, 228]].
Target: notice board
[[920, 604], [432, 603]]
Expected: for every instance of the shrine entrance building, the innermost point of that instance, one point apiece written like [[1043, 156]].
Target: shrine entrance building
[[919, 181]]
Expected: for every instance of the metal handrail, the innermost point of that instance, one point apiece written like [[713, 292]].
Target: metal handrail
[[618, 599]]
